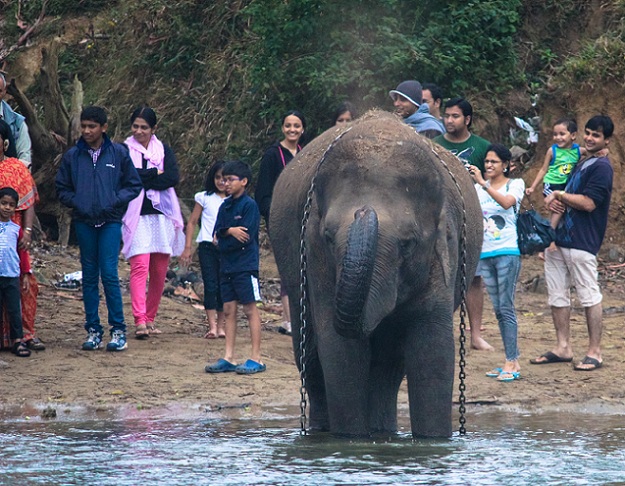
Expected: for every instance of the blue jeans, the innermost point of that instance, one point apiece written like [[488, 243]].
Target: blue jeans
[[99, 252], [500, 275], [209, 264]]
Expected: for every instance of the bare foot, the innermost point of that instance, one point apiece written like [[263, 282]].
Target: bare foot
[[481, 345]]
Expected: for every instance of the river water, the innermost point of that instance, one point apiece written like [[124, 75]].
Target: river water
[[500, 448]]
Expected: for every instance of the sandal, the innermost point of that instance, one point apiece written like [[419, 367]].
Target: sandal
[[20, 350], [210, 335], [35, 344], [141, 332], [153, 330]]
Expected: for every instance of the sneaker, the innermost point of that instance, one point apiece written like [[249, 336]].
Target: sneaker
[[118, 341], [94, 340]]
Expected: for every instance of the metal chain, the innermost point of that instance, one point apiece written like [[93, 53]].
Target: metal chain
[[463, 307], [303, 290]]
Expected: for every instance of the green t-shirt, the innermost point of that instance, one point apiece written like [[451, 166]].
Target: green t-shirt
[[472, 150], [562, 163]]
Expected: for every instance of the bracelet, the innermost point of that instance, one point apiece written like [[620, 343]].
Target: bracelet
[[560, 195], [28, 230]]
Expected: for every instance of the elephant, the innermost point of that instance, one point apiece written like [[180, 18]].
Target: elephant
[[383, 247]]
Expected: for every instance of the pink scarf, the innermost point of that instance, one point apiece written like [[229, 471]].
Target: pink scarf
[[164, 201]]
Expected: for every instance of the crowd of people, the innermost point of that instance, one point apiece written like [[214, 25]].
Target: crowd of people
[[122, 195]]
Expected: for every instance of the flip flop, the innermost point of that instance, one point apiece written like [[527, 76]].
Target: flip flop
[[494, 373], [210, 335], [596, 364], [153, 330], [221, 366], [549, 358], [507, 376], [141, 332], [250, 367]]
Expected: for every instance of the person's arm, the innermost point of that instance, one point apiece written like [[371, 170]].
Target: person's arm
[[541, 173], [169, 177], [28, 218], [559, 200], [196, 214], [131, 182], [267, 177], [504, 200], [236, 237], [65, 189], [23, 145]]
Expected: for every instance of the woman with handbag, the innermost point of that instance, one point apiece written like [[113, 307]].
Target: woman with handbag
[[500, 261]]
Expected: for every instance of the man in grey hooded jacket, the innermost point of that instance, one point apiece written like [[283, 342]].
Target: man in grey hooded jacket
[[408, 101]]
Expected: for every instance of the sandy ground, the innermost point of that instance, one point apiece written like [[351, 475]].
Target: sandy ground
[[167, 372]]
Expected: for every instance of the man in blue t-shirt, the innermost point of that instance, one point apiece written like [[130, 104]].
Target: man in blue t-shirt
[[584, 205]]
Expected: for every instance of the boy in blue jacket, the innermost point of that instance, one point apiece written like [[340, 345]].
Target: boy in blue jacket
[[236, 234], [97, 179]]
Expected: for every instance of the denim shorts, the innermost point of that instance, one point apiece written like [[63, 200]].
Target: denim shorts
[[566, 267], [241, 287]]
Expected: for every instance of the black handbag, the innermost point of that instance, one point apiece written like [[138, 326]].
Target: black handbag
[[534, 232]]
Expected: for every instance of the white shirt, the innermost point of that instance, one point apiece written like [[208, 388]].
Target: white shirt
[[210, 208], [500, 236]]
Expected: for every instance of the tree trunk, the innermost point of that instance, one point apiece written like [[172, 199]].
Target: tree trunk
[[57, 118]]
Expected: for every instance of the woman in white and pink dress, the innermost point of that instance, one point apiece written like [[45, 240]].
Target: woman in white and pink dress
[[153, 226]]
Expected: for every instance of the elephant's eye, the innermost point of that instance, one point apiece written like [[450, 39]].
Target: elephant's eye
[[329, 236], [407, 245]]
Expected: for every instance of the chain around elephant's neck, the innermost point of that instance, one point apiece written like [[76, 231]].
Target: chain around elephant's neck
[[303, 291], [463, 306]]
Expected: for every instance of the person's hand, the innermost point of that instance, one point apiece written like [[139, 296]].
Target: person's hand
[[476, 174], [26, 240], [529, 191], [240, 233], [185, 258], [553, 204], [25, 282]]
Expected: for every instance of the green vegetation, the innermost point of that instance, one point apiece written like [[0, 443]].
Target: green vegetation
[[220, 74]]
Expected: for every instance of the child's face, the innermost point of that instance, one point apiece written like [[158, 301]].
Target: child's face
[[562, 137], [594, 140], [92, 132], [220, 183], [235, 186], [7, 208]]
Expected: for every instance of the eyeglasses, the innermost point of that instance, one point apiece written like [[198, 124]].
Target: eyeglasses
[[493, 162], [230, 179]]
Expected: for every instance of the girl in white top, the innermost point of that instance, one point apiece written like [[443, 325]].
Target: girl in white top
[[500, 261], [207, 203]]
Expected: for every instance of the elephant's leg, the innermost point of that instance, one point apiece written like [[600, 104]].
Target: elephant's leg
[[313, 373], [345, 365], [430, 371], [387, 372]]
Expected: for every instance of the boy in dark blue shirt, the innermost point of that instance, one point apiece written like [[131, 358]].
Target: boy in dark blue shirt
[[97, 179], [236, 235]]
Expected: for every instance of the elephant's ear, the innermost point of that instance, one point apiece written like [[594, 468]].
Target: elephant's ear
[[442, 247]]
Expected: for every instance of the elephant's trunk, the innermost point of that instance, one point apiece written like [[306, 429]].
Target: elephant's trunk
[[355, 278]]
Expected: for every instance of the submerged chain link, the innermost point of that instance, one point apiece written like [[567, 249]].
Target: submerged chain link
[[463, 307], [303, 288]]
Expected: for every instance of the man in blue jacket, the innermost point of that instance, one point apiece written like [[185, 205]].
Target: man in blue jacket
[[97, 179]]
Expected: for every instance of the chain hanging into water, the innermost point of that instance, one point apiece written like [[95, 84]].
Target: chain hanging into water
[[303, 290], [463, 307]]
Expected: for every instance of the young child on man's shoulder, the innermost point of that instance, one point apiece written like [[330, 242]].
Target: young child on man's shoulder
[[236, 235], [12, 265], [559, 161]]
